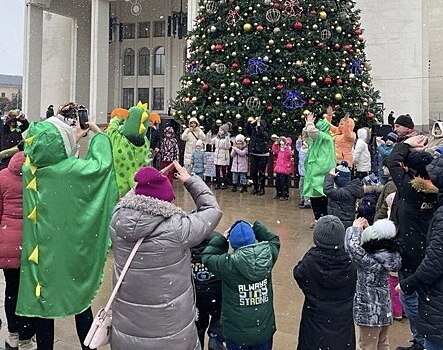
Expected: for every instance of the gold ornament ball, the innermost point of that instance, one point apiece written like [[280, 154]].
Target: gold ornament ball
[[306, 112], [322, 15], [298, 63], [247, 27], [338, 97]]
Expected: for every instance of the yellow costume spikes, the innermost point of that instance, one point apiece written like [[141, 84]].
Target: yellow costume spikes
[[29, 140], [38, 290], [33, 169], [32, 185], [27, 160], [145, 117], [143, 106], [34, 255], [141, 129], [33, 215]]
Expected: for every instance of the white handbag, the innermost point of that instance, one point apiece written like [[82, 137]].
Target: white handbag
[[100, 332]]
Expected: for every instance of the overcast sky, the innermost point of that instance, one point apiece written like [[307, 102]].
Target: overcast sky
[[11, 36]]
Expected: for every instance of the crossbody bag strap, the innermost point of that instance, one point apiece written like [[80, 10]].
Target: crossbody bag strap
[[123, 273]]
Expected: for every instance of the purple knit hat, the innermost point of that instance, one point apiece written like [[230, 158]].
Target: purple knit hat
[[152, 183]]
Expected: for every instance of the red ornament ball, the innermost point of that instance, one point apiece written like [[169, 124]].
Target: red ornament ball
[[246, 81], [269, 108], [289, 46], [218, 47], [358, 31], [298, 25], [336, 46], [260, 28], [279, 86], [205, 87], [327, 81], [339, 81], [276, 5], [300, 80], [371, 115], [311, 101], [347, 48], [235, 65], [313, 12]]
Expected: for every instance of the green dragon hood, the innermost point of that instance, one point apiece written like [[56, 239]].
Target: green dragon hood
[[136, 124], [44, 145]]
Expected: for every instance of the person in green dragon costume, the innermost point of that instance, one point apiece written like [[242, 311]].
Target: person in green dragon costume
[[320, 159], [67, 207], [130, 146]]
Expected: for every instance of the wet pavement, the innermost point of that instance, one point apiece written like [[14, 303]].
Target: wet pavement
[[284, 218]]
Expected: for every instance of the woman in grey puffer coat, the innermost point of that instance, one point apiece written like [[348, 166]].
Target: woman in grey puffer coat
[[375, 253], [155, 306]]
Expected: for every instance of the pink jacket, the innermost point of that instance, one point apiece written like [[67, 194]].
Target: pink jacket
[[11, 214], [283, 164]]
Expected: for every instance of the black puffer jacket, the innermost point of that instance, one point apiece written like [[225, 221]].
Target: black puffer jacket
[[341, 200], [413, 208], [258, 144], [327, 278], [428, 278]]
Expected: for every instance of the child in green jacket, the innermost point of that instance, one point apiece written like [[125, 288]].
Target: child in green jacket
[[248, 317]]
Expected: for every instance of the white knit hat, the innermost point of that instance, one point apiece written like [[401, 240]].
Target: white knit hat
[[381, 229]]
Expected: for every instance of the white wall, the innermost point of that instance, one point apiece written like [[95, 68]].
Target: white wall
[[394, 33]]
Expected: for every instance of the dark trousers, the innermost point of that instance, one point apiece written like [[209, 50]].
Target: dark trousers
[[361, 174], [221, 172], [258, 169], [209, 312], [282, 185], [45, 330], [319, 206], [265, 346], [24, 326]]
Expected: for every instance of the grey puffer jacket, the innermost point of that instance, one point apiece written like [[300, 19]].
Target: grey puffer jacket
[[155, 306], [372, 300]]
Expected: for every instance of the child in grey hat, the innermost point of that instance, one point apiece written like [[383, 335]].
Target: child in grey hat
[[327, 278]]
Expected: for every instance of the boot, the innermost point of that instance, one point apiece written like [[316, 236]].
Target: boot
[[11, 341], [29, 344], [224, 184], [255, 190], [218, 183], [261, 189], [234, 188], [244, 188]]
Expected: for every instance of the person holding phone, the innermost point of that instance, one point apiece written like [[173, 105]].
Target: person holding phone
[[67, 206], [158, 290]]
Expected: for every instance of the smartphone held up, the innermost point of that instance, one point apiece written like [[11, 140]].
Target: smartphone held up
[[83, 117]]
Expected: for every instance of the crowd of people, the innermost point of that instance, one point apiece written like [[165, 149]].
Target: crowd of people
[[377, 231]]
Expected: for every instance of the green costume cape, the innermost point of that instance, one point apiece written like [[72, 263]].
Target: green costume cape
[[67, 207], [319, 160], [130, 146]]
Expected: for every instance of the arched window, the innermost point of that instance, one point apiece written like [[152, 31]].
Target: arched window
[[128, 62], [143, 61], [159, 61]]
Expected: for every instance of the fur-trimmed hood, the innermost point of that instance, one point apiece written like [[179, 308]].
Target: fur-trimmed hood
[[372, 188], [149, 205], [422, 185]]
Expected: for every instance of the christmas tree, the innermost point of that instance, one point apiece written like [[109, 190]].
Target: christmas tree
[[278, 60]]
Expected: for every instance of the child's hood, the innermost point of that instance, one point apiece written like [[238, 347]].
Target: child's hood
[[253, 261], [440, 125]]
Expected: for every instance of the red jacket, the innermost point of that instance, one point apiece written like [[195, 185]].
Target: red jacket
[[284, 163], [11, 213]]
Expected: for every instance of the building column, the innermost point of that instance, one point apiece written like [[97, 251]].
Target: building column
[[98, 94], [192, 13], [32, 61]]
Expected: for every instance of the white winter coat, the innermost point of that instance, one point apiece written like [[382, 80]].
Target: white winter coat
[[190, 137], [360, 153]]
